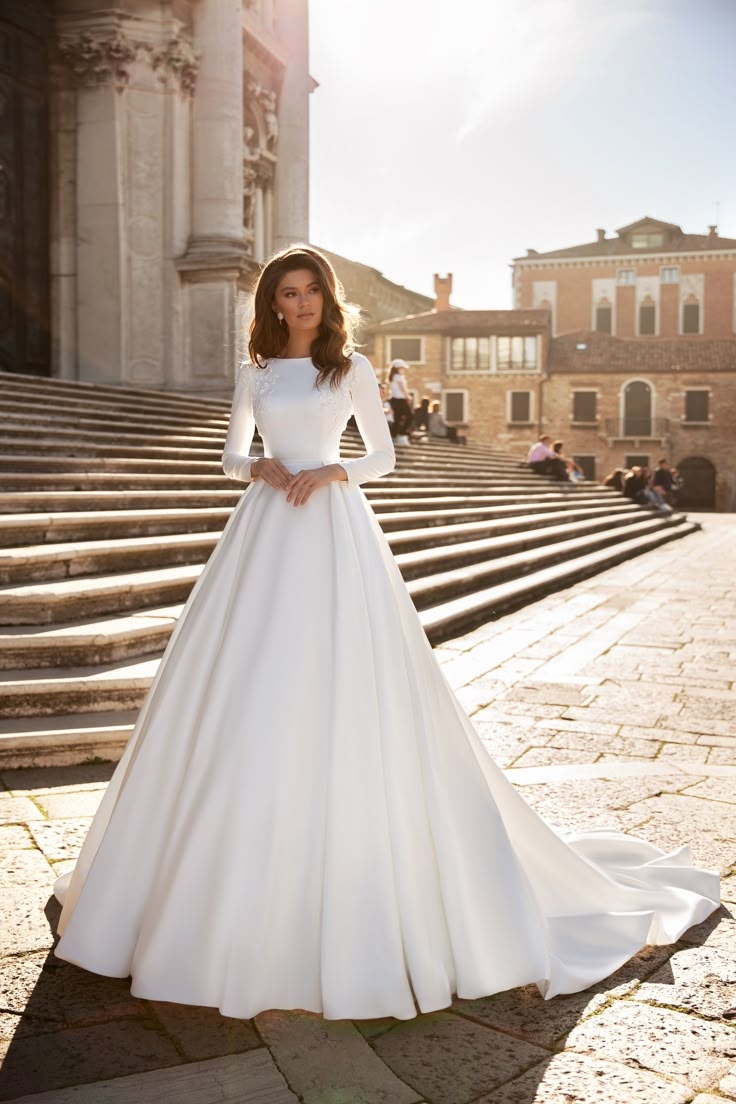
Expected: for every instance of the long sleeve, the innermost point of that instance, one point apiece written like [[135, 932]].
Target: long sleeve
[[380, 457], [236, 461]]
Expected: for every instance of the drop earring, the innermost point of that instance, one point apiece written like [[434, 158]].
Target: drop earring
[[280, 316]]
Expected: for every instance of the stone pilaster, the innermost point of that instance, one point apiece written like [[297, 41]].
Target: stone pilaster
[[291, 201]]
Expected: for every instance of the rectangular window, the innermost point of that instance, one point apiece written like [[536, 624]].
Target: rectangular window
[[455, 407], [470, 354], [697, 404], [670, 275], [636, 461], [587, 463], [625, 276], [520, 407], [516, 354], [691, 318], [603, 319], [647, 320], [646, 241], [407, 348], [584, 406]]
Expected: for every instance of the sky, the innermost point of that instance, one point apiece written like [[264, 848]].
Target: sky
[[453, 135]]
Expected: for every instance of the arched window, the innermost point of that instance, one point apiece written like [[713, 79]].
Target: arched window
[[603, 316], [691, 315], [647, 317], [637, 409]]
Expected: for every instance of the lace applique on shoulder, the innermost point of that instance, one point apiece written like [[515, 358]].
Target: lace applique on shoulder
[[262, 382]]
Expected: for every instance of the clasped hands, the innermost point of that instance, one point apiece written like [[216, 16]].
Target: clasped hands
[[300, 485]]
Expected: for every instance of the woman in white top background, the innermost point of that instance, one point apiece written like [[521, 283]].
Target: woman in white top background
[[304, 816], [400, 398]]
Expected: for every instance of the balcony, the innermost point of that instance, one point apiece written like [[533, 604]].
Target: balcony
[[637, 429]]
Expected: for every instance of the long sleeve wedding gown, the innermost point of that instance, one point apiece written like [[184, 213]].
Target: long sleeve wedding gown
[[304, 817]]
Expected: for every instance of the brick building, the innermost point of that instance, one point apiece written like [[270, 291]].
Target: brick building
[[651, 280], [614, 401]]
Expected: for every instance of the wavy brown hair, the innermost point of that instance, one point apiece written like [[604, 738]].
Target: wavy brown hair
[[334, 345]]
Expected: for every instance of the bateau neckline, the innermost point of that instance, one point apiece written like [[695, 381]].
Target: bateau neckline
[[286, 360]]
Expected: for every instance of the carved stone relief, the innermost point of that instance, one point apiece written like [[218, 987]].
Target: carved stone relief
[[96, 59]]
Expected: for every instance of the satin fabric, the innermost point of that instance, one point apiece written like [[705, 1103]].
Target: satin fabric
[[304, 817]]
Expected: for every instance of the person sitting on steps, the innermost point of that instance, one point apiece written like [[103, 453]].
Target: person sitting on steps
[[543, 460]]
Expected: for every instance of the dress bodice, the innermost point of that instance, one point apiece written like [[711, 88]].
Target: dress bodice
[[300, 421]]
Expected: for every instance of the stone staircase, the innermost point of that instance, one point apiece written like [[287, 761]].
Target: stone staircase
[[112, 499]]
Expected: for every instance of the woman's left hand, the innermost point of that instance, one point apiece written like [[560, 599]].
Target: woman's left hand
[[304, 482]]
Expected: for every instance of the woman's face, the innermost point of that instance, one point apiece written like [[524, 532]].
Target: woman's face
[[300, 299]]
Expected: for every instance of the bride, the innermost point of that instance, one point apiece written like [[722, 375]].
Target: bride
[[304, 817]]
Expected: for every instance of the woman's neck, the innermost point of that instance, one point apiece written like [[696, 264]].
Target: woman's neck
[[299, 345]]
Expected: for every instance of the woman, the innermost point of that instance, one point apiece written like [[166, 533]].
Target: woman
[[304, 816], [400, 398]]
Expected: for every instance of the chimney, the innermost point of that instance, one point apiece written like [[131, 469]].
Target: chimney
[[712, 231], [442, 291], [601, 235]]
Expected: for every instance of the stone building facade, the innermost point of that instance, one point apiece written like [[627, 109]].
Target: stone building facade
[[378, 297], [152, 155], [651, 280], [615, 402]]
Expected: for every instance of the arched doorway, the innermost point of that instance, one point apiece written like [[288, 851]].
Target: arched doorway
[[637, 409], [699, 483]]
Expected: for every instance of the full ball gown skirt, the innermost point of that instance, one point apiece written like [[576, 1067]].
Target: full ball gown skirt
[[304, 817]]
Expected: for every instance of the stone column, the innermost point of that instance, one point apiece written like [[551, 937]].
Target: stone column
[[291, 199], [217, 127], [216, 261]]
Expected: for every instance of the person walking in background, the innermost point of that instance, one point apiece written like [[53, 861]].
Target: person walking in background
[[400, 399]]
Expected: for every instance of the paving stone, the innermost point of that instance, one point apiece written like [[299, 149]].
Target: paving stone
[[524, 1012], [236, 1079], [728, 1084], [715, 789], [60, 839], [699, 979], [82, 803], [45, 994], [18, 810], [707, 827], [14, 837], [76, 1056], [570, 1078], [451, 1060], [551, 756], [329, 1060], [685, 1048], [723, 755], [26, 881], [204, 1032]]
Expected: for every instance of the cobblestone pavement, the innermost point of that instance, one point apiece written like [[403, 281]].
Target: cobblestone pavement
[[611, 702]]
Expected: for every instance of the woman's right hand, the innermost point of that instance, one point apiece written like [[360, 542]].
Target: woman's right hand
[[272, 471]]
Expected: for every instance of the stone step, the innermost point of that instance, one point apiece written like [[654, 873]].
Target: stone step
[[123, 684], [508, 536], [90, 642], [43, 385], [443, 586], [83, 478], [44, 692], [460, 615], [32, 464], [57, 421], [53, 501], [47, 562], [83, 525], [62, 740], [460, 522], [71, 412], [99, 640], [67, 599]]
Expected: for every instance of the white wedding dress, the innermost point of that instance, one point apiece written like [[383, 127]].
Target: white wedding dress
[[304, 817]]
